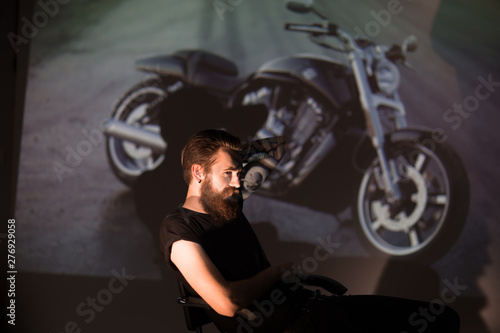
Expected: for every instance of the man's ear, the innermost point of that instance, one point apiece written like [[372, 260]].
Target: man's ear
[[197, 173]]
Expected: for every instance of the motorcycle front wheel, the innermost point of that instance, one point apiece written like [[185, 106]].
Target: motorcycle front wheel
[[138, 108], [425, 222]]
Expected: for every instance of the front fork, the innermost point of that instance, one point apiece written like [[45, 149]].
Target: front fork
[[370, 103]]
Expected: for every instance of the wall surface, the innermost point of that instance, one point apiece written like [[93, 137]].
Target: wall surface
[[77, 226]]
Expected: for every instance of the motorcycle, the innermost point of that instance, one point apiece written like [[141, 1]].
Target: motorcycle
[[413, 192]]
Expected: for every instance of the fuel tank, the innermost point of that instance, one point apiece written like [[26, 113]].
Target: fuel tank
[[331, 77]]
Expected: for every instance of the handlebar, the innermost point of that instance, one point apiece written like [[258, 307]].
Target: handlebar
[[318, 29], [394, 54]]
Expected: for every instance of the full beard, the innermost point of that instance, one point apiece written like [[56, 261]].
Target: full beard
[[222, 206]]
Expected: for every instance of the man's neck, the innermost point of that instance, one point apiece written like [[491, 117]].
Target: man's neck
[[193, 203]]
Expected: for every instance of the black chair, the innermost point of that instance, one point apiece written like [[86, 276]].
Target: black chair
[[196, 309]]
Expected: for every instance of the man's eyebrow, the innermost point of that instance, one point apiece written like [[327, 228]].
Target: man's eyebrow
[[234, 167]]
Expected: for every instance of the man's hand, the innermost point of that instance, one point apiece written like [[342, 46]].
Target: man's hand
[[285, 269]]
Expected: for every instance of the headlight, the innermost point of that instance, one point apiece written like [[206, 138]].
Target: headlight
[[387, 76]]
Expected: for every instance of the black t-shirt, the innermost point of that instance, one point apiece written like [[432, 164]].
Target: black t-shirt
[[235, 250], [233, 247]]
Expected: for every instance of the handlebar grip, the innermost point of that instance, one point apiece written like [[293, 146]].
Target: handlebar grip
[[317, 29], [303, 27]]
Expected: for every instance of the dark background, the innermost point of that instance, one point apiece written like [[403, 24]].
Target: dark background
[[72, 234]]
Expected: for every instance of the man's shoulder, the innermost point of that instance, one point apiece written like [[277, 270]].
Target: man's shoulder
[[183, 218], [174, 215], [177, 216], [177, 225]]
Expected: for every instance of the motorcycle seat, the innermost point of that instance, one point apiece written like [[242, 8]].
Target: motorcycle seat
[[195, 59], [197, 67]]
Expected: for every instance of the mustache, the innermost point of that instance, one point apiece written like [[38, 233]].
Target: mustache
[[232, 193]]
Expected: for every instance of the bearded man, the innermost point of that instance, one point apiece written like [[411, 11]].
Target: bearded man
[[212, 245]]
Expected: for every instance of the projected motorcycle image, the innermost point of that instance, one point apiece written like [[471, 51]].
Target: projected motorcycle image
[[368, 140], [412, 199]]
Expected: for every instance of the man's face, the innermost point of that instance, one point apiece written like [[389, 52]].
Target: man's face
[[220, 194]]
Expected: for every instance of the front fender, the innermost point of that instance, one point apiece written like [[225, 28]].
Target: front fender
[[421, 135], [364, 152]]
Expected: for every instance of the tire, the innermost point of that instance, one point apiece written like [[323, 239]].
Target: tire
[[434, 186], [137, 107]]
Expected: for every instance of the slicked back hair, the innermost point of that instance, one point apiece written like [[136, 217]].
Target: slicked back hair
[[202, 149]]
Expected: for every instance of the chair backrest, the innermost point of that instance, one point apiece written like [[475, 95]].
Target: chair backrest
[[195, 309]]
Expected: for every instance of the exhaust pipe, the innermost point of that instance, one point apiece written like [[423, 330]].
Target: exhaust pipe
[[139, 136]]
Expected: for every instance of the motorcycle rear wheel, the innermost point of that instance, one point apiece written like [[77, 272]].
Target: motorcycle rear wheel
[[433, 209], [137, 107]]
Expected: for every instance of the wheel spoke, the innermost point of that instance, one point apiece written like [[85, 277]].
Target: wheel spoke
[[145, 163], [376, 225], [420, 161], [380, 213], [149, 162], [140, 164], [438, 199], [414, 237]]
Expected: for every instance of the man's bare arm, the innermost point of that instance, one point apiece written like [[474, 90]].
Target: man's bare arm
[[225, 297]]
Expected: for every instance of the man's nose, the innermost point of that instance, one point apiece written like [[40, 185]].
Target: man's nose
[[235, 181]]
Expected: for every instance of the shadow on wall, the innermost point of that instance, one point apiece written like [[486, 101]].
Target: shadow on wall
[[183, 114], [68, 303], [162, 190], [384, 277]]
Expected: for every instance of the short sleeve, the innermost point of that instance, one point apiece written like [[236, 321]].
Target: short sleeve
[[175, 227]]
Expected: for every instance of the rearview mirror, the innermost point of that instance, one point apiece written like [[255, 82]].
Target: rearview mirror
[[410, 44]]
